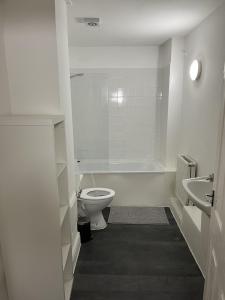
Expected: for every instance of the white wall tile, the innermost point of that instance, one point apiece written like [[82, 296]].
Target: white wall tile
[[115, 114]]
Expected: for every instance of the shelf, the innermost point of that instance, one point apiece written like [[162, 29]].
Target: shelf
[[74, 249], [68, 288], [65, 253], [60, 168], [31, 120], [63, 211]]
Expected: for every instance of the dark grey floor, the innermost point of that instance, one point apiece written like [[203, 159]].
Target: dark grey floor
[[137, 262]]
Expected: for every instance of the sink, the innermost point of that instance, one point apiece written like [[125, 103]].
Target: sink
[[200, 190]]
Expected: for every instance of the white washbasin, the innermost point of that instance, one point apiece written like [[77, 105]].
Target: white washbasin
[[200, 190]]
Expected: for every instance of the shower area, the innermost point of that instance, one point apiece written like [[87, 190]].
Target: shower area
[[120, 119]]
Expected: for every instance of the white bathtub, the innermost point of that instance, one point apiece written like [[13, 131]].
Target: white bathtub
[[134, 188], [123, 166]]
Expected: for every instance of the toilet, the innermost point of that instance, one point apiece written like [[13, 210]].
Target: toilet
[[94, 200]]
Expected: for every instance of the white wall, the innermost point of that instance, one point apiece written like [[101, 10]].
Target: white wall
[[169, 100], [4, 88], [168, 60], [31, 57], [114, 57], [175, 102], [164, 58], [162, 100], [202, 100], [200, 119], [4, 109], [114, 114], [113, 130]]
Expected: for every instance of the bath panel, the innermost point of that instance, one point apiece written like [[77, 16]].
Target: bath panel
[[135, 189]]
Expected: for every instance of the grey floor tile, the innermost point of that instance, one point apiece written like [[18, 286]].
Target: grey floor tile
[[137, 262], [134, 296], [126, 283]]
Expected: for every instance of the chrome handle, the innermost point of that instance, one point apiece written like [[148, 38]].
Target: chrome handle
[[210, 197], [211, 177]]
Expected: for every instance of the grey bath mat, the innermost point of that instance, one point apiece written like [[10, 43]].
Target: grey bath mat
[[137, 215]]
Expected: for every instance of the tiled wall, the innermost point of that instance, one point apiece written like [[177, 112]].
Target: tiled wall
[[114, 113]]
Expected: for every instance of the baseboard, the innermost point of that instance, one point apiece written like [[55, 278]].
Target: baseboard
[[76, 250], [181, 230]]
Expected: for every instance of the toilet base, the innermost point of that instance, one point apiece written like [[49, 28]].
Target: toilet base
[[97, 221]]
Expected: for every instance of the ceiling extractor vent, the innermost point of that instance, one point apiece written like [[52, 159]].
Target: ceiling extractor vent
[[92, 22]]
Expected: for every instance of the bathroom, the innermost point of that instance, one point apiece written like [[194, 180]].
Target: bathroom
[[136, 111], [126, 98]]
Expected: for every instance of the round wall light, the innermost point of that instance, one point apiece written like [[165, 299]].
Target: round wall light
[[195, 70]]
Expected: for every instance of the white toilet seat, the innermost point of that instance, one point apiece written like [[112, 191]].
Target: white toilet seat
[[95, 194]]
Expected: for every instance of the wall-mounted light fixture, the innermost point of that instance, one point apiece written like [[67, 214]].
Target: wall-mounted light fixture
[[195, 70]]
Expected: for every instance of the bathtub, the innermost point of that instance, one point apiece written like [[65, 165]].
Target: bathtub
[[135, 183], [123, 166]]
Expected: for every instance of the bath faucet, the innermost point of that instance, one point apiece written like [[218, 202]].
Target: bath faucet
[[210, 197]]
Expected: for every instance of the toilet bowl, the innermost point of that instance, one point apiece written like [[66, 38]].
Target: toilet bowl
[[94, 201]]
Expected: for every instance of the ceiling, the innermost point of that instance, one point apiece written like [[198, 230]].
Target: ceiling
[[136, 22]]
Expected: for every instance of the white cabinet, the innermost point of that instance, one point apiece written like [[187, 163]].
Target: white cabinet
[[34, 208]]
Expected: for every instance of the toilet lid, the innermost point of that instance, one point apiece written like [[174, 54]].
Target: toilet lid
[[97, 193]]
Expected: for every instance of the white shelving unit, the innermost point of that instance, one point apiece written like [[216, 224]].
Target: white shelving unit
[[63, 212], [68, 287], [65, 254], [35, 208], [75, 237], [60, 168]]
